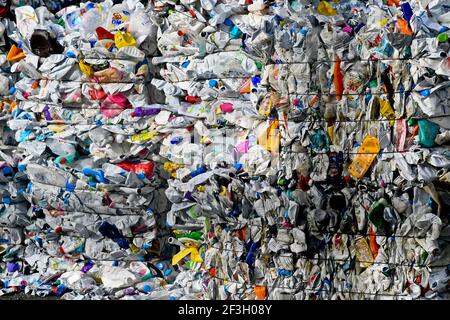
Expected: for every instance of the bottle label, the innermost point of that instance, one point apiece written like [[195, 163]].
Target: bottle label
[[120, 17], [142, 136]]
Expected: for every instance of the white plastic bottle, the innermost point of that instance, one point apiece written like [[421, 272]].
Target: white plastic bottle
[[91, 20], [117, 16]]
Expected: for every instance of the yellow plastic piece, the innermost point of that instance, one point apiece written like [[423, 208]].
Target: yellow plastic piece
[[381, 23], [270, 140], [363, 253], [177, 232], [56, 128], [223, 191], [326, 9], [134, 249], [86, 69], [142, 71], [266, 106], [366, 154], [143, 136], [331, 133], [11, 105], [195, 255], [171, 168], [124, 39], [387, 111], [205, 140]]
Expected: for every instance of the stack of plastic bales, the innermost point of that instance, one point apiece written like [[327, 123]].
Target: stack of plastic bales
[[227, 150], [310, 156]]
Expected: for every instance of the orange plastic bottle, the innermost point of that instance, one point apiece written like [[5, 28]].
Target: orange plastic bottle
[[338, 79], [366, 154], [372, 242]]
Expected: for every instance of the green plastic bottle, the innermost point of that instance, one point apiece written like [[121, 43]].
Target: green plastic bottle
[[427, 133], [376, 212]]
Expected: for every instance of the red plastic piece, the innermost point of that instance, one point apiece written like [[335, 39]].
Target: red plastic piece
[[102, 34], [145, 168]]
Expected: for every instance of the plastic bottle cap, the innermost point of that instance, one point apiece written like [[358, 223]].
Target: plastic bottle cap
[[146, 288], [185, 64], [141, 176], [21, 167], [168, 272], [6, 170], [176, 140], [442, 37], [228, 22], [62, 160], [180, 33], [160, 265], [259, 65], [256, 80], [425, 93], [347, 29], [373, 84]]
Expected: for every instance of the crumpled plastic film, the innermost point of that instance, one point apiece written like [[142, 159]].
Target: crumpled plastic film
[[227, 150]]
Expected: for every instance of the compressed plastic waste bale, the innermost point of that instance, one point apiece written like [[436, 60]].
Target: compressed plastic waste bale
[[226, 150], [92, 193], [271, 158]]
